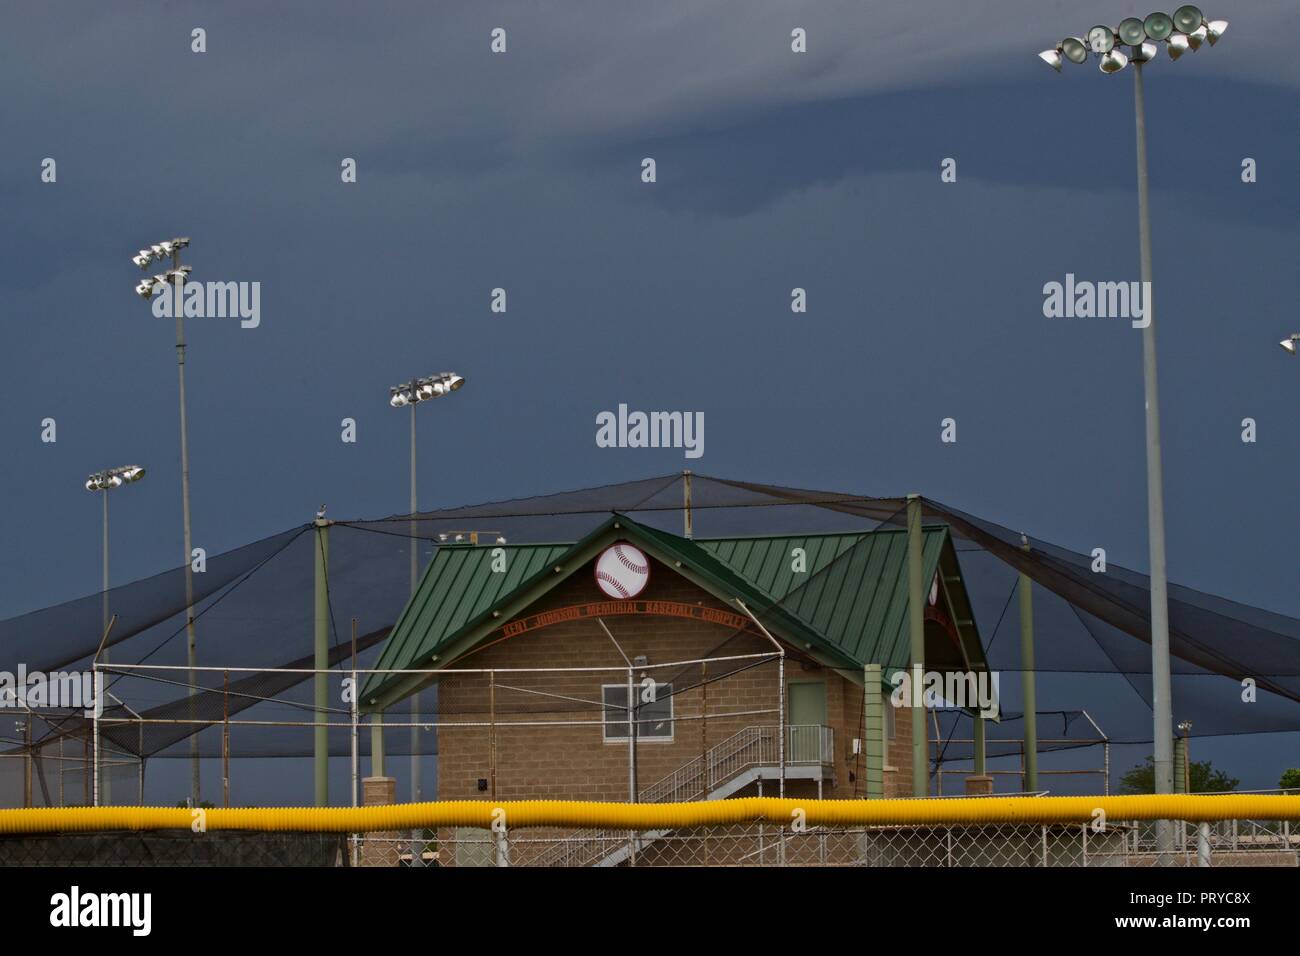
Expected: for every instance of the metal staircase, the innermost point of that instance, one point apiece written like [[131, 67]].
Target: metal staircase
[[733, 764]]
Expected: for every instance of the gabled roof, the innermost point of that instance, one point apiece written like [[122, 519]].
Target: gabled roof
[[852, 614]]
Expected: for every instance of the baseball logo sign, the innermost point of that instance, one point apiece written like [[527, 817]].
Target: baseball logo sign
[[622, 571]]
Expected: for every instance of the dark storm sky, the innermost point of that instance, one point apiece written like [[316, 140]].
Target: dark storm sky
[[522, 171]]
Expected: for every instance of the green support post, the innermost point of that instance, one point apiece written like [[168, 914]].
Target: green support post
[[916, 633], [873, 726], [1180, 765], [321, 748], [1028, 683], [377, 744]]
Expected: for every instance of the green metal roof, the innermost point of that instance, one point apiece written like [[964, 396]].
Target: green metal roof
[[854, 614], [859, 604]]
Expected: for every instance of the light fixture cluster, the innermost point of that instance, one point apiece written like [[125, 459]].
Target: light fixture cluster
[[114, 478], [147, 288], [423, 389], [1186, 30], [460, 537]]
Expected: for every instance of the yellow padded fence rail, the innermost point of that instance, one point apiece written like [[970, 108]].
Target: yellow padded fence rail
[[656, 816]]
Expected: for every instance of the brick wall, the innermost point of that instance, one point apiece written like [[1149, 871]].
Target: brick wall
[[573, 761]]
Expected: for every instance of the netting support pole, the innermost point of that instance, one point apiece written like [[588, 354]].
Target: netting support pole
[[191, 638], [377, 744], [417, 854], [225, 738], [1180, 765], [322, 662], [492, 734], [353, 718], [1028, 681], [873, 727], [686, 504], [979, 763], [103, 652], [94, 724], [1161, 691], [27, 759], [916, 634]]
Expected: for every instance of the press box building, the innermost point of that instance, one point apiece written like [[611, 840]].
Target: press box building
[[742, 654]]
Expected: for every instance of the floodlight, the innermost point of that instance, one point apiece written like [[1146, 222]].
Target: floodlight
[[1290, 344], [501, 539], [1075, 50], [1132, 32], [1196, 38], [1178, 45], [1101, 39], [1158, 26], [1187, 18], [142, 258], [1113, 62], [1144, 52], [1052, 58], [452, 380], [1215, 29], [145, 288]]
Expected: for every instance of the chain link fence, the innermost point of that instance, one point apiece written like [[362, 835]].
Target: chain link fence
[[1223, 844]]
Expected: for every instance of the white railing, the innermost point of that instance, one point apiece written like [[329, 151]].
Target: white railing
[[806, 745]]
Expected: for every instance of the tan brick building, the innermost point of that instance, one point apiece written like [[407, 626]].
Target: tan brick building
[[739, 656]]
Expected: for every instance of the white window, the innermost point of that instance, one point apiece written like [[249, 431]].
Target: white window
[[654, 711]]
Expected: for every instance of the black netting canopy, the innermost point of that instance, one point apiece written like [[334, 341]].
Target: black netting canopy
[[254, 611]]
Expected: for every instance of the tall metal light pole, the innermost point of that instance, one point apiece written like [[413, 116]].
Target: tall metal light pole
[[104, 482], [146, 290], [1186, 30], [412, 393]]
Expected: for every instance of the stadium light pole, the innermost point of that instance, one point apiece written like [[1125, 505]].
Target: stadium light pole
[[1185, 31], [104, 482], [412, 393], [146, 289]]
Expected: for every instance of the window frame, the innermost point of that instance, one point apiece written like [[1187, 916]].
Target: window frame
[[641, 736]]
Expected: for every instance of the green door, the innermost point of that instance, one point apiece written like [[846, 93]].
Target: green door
[[807, 718]]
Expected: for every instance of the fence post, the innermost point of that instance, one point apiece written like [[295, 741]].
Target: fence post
[[1203, 844], [502, 847]]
